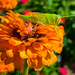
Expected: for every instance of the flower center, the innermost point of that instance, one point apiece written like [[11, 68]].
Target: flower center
[[34, 34], [16, 34]]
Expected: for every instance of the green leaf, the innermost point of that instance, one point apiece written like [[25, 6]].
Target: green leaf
[[72, 12], [73, 25], [73, 3], [54, 73], [50, 2]]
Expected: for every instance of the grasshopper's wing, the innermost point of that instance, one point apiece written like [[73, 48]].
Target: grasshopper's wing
[[29, 18], [42, 18], [53, 19]]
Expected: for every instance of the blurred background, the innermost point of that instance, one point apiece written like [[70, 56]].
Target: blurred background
[[64, 8]]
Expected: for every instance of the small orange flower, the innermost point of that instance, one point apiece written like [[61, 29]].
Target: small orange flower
[[20, 40], [5, 68], [8, 4]]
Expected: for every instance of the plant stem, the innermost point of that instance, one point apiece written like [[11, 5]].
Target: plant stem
[[26, 68], [67, 7]]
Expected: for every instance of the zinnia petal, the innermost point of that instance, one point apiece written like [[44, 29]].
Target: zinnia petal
[[3, 55], [35, 63], [42, 53], [14, 42], [9, 53], [6, 20], [49, 59], [18, 61], [3, 45], [7, 4], [23, 55], [31, 52], [37, 46]]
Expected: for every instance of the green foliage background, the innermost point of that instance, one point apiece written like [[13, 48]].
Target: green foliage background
[[63, 8]]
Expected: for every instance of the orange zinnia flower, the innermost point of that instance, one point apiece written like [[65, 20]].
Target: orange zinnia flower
[[20, 40], [8, 4], [5, 68]]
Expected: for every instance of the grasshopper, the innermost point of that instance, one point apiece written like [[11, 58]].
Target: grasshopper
[[43, 19]]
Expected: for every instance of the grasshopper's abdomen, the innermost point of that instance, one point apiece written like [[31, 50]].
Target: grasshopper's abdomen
[[29, 18]]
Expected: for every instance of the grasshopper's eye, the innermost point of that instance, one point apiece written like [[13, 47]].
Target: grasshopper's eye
[[57, 17]]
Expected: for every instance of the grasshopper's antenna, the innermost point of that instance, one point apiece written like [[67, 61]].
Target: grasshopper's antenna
[[67, 16]]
